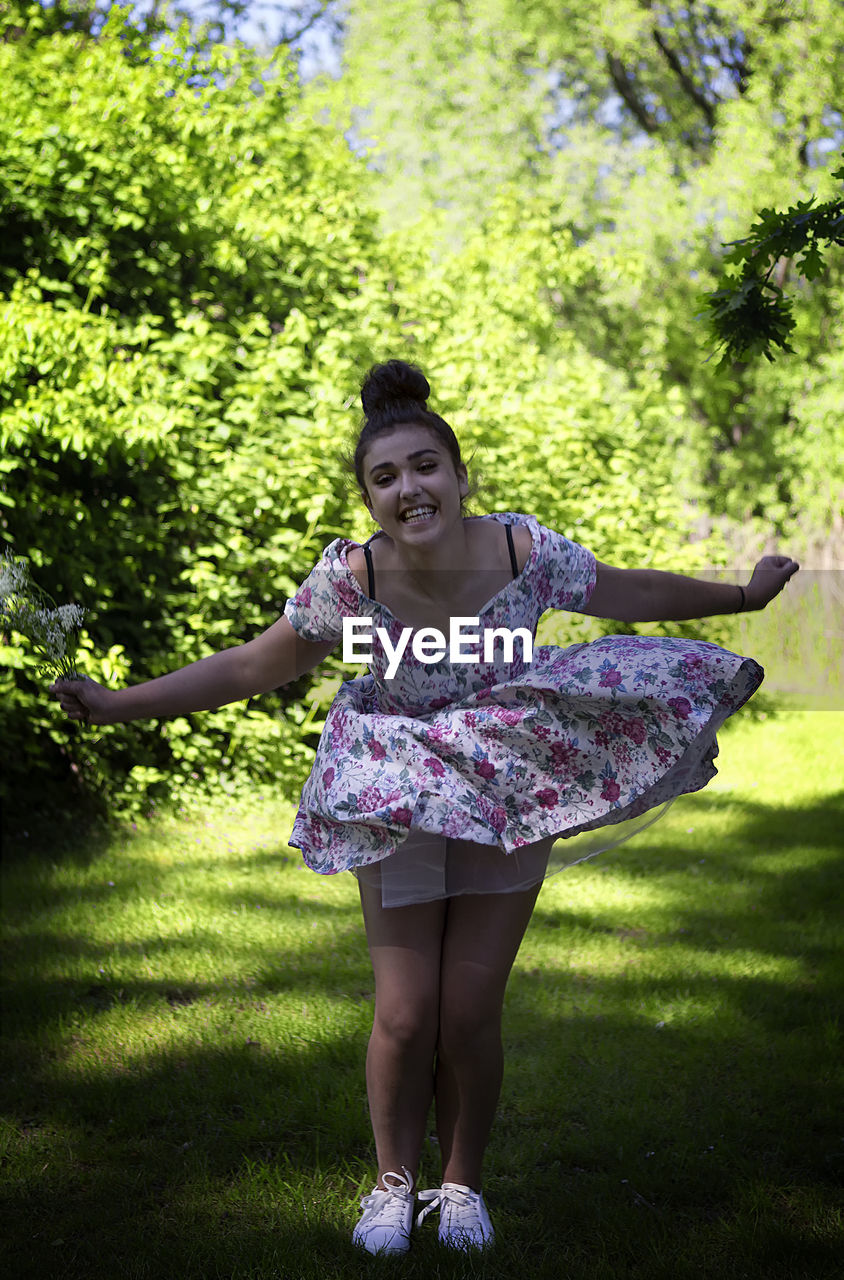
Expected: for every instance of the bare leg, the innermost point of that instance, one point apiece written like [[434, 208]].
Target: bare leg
[[405, 944], [482, 936]]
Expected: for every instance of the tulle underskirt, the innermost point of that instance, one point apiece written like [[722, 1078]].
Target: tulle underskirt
[[427, 866]]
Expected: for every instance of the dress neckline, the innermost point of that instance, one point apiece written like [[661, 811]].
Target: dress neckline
[[500, 517]]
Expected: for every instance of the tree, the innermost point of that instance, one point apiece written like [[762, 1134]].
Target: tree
[[209, 21], [657, 130], [181, 256], [487, 92]]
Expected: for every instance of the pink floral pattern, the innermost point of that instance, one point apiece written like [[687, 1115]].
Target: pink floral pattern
[[506, 753]]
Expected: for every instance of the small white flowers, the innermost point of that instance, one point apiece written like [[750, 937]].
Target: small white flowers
[[25, 608], [13, 577]]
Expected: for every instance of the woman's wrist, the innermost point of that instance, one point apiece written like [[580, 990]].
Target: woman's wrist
[[743, 600]]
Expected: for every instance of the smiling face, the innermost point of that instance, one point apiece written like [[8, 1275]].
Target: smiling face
[[412, 487]]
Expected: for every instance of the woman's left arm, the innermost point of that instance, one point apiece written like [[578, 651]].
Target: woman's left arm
[[649, 595]]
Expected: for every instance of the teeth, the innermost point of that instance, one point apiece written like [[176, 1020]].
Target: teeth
[[417, 514]]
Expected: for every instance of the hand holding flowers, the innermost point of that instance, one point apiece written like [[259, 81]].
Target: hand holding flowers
[[25, 608], [53, 631], [82, 698]]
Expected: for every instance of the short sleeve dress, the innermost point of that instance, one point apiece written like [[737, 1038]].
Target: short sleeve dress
[[583, 744]]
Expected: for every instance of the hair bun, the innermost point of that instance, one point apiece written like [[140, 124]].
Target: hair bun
[[391, 383]]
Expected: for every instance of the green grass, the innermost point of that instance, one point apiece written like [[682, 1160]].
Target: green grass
[[187, 1009]]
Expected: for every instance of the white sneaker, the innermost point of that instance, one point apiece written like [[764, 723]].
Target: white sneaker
[[464, 1221], [387, 1216]]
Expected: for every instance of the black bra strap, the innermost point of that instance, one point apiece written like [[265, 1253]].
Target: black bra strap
[[514, 564], [513, 561], [369, 570]]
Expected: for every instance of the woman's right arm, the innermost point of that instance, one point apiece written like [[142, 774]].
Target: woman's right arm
[[274, 658]]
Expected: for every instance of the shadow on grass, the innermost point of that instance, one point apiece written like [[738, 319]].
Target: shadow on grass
[[707, 1146], [777, 897]]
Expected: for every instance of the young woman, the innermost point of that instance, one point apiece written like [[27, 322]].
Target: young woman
[[443, 780]]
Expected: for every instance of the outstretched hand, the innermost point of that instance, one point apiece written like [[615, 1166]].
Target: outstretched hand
[[84, 700], [768, 579]]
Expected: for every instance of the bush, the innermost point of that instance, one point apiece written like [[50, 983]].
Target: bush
[[180, 253]]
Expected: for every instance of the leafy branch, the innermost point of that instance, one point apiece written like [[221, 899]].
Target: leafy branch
[[749, 312]]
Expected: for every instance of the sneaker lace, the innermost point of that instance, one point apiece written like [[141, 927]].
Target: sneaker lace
[[390, 1202], [448, 1193]]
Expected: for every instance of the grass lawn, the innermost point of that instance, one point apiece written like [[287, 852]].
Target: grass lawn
[[186, 1013]]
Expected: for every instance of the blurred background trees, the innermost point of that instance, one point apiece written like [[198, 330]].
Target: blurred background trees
[[656, 132]]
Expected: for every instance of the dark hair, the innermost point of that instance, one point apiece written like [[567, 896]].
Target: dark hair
[[392, 394]]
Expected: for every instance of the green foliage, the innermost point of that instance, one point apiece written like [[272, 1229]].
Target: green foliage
[[180, 253], [750, 314], [489, 92], [210, 20], [193, 281], [460, 117], [554, 428], [656, 132]]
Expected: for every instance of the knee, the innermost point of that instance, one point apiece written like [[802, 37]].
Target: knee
[[407, 1025], [469, 1027]]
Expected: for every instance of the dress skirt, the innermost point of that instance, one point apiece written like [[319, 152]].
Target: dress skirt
[[517, 780]]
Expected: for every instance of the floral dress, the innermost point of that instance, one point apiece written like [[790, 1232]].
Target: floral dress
[[503, 753]]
